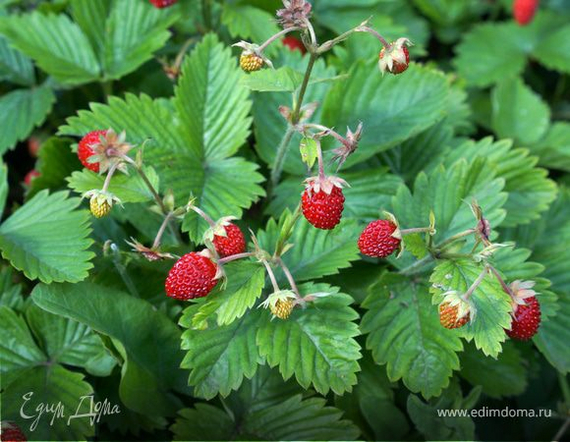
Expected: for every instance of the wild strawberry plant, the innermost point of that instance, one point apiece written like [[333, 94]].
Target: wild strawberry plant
[[283, 220]]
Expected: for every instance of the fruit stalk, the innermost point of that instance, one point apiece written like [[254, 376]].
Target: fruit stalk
[[375, 34], [290, 278], [276, 36], [454, 238], [235, 257], [271, 276], [160, 233], [203, 214], [476, 283]]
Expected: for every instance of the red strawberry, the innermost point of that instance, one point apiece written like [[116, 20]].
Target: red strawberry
[[162, 3], [524, 10], [11, 433], [526, 320], [30, 176], [232, 244], [294, 43], [192, 276], [448, 316], [377, 241], [323, 202], [85, 149]]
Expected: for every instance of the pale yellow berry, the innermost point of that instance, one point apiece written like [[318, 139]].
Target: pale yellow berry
[[250, 62], [282, 309], [99, 208]]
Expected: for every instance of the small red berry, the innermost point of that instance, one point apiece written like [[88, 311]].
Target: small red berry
[[526, 320], [377, 241], [162, 3], [294, 43], [30, 176], [323, 210], [397, 67], [9, 432], [192, 276], [231, 244], [448, 316], [85, 148], [524, 10]]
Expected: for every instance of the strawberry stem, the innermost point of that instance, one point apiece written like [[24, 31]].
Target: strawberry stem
[[286, 231], [504, 285], [203, 214], [235, 257], [110, 173], [271, 276], [290, 278], [276, 36], [160, 233], [320, 160], [476, 283], [455, 238], [416, 230], [375, 34]]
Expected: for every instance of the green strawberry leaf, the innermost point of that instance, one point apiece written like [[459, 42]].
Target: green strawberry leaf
[[246, 280], [152, 355], [283, 79], [493, 305], [22, 110], [518, 112], [249, 23], [219, 357], [530, 191], [292, 419], [57, 45], [404, 332], [316, 343], [15, 66], [554, 148], [29, 241], [504, 376], [396, 107], [3, 186]]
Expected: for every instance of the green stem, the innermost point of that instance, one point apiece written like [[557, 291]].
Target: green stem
[[158, 238], [286, 231], [454, 238], [107, 87], [563, 381], [476, 283], [295, 116], [271, 276], [235, 257], [290, 278], [207, 14], [410, 270]]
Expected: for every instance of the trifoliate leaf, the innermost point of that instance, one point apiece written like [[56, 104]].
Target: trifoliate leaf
[[493, 306], [316, 343], [28, 239], [316, 252], [219, 357], [405, 333], [396, 107], [22, 110], [57, 45], [530, 191], [128, 188], [152, 355], [518, 112]]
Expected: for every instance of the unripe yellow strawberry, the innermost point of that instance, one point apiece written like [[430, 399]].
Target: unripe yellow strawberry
[[282, 309], [250, 62], [99, 207]]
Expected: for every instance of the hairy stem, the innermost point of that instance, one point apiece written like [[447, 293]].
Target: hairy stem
[[110, 173], [204, 215], [455, 238], [476, 283], [277, 36], [160, 233], [375, 34], [416, 230], [290, 278], [235, 257], [295, 116], [271, 276], [320, 160]]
